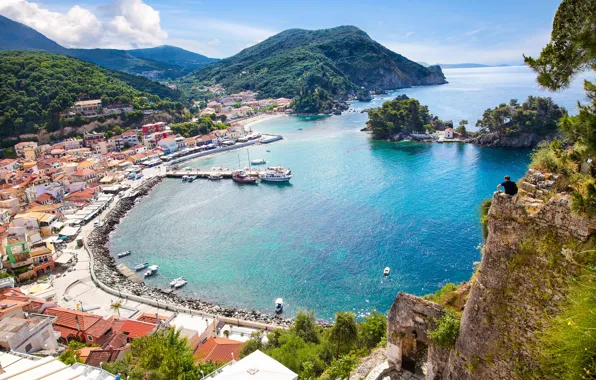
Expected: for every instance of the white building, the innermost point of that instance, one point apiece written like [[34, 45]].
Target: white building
[[256, 366], [169, 144], [17, 366], [28, 335], [448, 133]]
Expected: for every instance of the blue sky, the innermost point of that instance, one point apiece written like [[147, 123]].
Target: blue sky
[[433, 31]]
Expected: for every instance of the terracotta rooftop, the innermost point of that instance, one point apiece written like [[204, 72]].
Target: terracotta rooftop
[[137, 329], [150, 318], [218, 350], [66, 318]]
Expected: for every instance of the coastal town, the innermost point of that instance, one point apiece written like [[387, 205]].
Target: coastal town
[[59, 283]]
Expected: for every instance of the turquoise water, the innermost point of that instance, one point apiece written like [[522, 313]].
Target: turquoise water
[[353, 207]]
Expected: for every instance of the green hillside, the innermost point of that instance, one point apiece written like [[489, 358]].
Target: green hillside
[[338, 60], [36, 86], [170, 61]]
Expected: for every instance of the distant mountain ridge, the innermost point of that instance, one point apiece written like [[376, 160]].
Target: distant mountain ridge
[[339, 60], [173, 61]]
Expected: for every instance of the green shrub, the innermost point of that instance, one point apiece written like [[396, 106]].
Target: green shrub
[[484, 207], [544, 159], [447, 330]]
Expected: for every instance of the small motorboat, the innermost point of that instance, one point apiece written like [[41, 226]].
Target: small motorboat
[[178, 282], [125, 253], [184, 178], [279, 305], [260, 161], [386, 271], [139, 267], [268, 151], [191, 179], [151, 270], [214, 176]]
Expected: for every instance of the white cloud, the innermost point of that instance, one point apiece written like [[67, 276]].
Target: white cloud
[[214, 42], [437, 52], [129, 23]]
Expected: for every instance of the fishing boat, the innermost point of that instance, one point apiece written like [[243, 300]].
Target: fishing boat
[[178, 282], [277, 174], [260, 161], [139, 267], [125, 253], [279, 306], [151, 270], [240, 176], [386, 271], [184, 178], [214, 176]]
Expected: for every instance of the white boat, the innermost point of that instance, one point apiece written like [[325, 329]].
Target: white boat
[[125, 253], [277, 174], [139, 267], [386, 271], [178, 282], [279, 305], [260, 161], [214, 176], [184, 178], [151, 271]]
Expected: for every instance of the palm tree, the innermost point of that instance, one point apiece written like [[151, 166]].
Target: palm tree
[[115, 307], [344, 330]]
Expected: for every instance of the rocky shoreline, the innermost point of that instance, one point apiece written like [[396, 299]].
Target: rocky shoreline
[[106, 272]]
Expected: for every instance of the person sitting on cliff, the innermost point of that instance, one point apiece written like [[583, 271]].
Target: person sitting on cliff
[[509, 186]]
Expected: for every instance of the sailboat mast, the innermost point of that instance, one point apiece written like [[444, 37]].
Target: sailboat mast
[[249, 163]]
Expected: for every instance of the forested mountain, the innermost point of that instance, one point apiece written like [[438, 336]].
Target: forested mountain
[[36, 86], [169, 61], [338, 60]]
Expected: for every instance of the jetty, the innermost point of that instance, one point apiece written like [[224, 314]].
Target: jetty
[[206, 173]]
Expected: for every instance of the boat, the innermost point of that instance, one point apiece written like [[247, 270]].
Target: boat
[[268, 151], [240, 176], [184, 178], [279, 306], [125, 253], [151, 270], [387, 271], [178, 282], [214, 176], [260, 161], [190, 179], [139, 267], [277, 174]]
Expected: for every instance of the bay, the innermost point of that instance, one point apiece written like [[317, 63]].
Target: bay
[[353, 207]]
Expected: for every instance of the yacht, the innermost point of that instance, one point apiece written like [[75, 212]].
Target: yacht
[[151, 270], [125, 253], [240, 176], [279, 305], [277, 174], [139, 267], [178, 282], [260, 161]]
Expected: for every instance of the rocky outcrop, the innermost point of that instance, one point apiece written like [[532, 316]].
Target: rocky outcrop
[[528, 258], [494, 140]]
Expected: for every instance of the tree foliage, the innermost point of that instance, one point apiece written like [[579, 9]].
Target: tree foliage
[[447, 330], [536, 115], [400, 115], [202, 126], [36, 86]]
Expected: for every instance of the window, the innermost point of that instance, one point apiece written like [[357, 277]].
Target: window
[[90, 338], [28, 347]]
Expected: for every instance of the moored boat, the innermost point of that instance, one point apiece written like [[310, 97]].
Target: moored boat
[[260, 161], [240, 176], [184, 178], [192, 178], [125, 253], [387, 271], [214, 176], [178, 282], [279, 305], [151, 270], [277, 174], [139, 267]]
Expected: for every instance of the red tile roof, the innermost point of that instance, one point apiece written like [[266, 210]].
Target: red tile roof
[[137, 329], [101, 356], [65, 332], [218, 350], [66, 318], [150, 318], [99, 328]]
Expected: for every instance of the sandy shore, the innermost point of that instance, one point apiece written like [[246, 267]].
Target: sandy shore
[[249, 122]]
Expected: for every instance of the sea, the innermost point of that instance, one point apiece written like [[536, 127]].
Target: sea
[[353, 207]]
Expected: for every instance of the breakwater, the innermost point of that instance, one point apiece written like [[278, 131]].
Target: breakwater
[[106, 274]]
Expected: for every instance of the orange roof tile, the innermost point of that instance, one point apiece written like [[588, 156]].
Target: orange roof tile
[[218, 350], [66, 318], [150, 318], [137, 329]]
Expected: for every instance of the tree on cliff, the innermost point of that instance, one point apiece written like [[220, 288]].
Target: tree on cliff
[[344, 331], [536, 115], [400, 115]]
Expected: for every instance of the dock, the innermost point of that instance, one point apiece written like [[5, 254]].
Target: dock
[[206, 173], [132, 276]]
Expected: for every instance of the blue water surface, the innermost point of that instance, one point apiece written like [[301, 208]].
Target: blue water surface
[[353, 207]]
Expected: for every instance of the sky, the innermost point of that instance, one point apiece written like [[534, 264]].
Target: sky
[[431, 31]]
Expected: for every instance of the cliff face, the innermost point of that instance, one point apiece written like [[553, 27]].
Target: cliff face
[[527, 261], [494, 140]]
